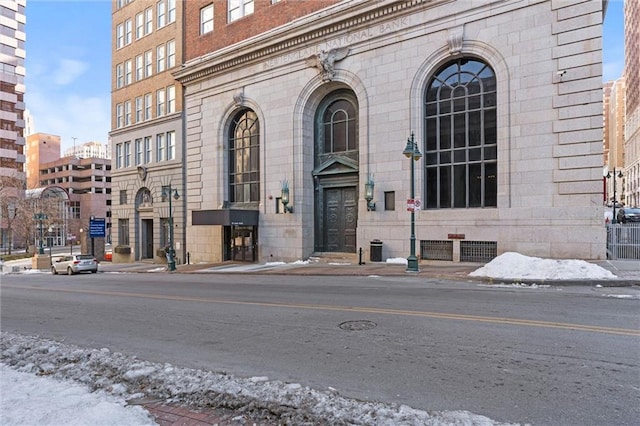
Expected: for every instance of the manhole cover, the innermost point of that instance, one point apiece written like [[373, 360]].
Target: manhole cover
[[357, 325]]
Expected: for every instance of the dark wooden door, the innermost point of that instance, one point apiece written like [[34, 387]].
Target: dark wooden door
[[340, 219], [147, 239]]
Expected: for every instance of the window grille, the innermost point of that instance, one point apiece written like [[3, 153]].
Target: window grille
[[436, 250], [478, 251]]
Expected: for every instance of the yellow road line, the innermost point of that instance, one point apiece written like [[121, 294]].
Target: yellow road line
[[370, 310]]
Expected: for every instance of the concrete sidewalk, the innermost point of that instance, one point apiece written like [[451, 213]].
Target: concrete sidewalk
[[626, 271]]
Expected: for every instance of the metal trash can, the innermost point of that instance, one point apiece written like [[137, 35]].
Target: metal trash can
[[375, 252]]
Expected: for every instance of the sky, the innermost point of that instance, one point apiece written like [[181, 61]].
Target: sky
[[68, 65], [52, 383]]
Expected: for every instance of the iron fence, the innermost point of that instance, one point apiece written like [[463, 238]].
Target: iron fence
[[623, 241]]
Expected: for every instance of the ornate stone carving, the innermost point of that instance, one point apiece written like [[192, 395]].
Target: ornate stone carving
[[238, 98], [325, 61], [455, 37], [142, 173]]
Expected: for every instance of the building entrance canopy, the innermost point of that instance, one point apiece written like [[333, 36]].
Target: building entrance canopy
[[225, 217]]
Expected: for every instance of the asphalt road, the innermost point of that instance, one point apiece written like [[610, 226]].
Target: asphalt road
[[546, 356]]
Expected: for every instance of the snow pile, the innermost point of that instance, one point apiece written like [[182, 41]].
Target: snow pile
[[103, 371], [61, 401], [517, 266]]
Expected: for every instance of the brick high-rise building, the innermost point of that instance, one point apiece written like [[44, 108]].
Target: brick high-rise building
[[632, 126], [41, 148], [606, 98], [147, 127], [614, 125]]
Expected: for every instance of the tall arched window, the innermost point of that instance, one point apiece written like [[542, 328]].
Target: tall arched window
[[460, 143], [244, 158], [337, 125]]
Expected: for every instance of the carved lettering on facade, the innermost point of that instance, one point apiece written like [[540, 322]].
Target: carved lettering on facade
[[336, 43]]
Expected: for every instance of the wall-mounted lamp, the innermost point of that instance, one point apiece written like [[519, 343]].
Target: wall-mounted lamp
[[368, 194], [284, 196]]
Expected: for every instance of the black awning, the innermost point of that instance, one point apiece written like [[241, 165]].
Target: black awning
[[225, 217]]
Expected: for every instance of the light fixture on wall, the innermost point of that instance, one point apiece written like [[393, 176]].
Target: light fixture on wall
[[284, 196], [368, 194]]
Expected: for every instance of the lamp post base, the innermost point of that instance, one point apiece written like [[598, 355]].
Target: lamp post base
[[171, 260], [412, 264]]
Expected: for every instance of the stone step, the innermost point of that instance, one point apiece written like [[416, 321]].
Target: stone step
[[334, 257]]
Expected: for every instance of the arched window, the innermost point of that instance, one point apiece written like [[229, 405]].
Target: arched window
[[244, 158], [337, 125], [460, 143]]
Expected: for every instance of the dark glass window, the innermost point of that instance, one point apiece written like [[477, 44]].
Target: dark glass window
[[339, 122], [244, 158], [336, 127], [461, 138]]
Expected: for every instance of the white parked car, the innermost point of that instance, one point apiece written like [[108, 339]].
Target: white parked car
[[75, 264]]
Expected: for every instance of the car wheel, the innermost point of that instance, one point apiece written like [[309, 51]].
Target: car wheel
[[69, 271], [53, 270], [93, 272]]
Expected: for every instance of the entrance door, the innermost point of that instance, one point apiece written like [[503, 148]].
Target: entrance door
[[146, 240], [243, 243], [340, 219]]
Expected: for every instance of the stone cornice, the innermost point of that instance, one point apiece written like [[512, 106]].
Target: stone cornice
[[318, 26]]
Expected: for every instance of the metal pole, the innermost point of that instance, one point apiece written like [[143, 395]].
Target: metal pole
[[171, 261], [412, 153], [613, 220], [41, 247]]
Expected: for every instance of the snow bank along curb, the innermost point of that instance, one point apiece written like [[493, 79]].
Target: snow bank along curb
[[516, 268], [285, 403]]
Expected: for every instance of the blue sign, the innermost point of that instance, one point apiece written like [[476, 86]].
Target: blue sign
[[97, 228]]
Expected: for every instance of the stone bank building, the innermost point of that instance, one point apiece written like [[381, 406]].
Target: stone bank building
[[297, 116]]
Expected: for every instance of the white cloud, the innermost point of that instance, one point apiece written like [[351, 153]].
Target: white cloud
[[68, 71], [71, 115]]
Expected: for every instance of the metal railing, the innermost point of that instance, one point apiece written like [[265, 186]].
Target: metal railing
[[623, 241]]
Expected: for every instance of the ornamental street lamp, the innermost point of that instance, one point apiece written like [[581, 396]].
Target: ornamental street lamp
[[170, 193], [615, 198], [40, 217], [412, 152]]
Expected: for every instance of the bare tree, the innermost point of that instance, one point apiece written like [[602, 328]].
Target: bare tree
[[11, 205]]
